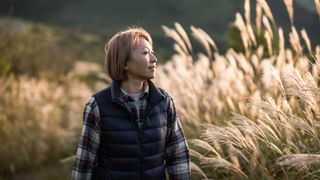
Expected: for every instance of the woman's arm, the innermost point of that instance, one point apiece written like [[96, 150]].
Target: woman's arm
[[177, 151], [89, 142]]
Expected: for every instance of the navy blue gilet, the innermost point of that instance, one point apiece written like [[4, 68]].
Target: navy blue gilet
[[127, 152]]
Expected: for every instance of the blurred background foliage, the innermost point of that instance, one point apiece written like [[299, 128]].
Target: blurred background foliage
[[103, 18]]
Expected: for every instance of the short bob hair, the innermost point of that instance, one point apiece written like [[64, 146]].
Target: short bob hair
[[118, 50]]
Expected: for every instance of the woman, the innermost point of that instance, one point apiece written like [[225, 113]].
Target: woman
[[131, 129]]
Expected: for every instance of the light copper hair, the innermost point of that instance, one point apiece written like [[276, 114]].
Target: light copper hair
[[118, 50]]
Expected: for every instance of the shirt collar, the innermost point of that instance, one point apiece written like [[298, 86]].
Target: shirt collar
[[154, 95], [144, 94]]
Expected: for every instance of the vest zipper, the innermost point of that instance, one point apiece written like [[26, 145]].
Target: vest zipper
[[140, 130], [148, 111], [140, 138]]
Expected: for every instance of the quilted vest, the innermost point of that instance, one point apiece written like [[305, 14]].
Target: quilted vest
[[127, 152]]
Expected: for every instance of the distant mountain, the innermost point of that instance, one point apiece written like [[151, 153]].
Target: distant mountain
[[308, 5], [108, 16]]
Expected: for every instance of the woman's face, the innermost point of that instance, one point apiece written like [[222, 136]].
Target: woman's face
[[142, 64]]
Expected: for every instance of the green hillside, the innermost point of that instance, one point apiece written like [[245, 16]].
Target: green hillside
[[106, 17]]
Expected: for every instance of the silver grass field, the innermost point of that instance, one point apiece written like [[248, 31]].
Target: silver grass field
[[247, 115]]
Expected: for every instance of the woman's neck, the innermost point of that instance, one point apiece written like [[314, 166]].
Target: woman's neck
[[132, 86]]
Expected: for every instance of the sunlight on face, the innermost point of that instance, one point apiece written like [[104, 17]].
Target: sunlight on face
[[142, 63]]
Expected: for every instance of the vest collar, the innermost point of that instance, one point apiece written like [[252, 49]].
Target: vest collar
[[154, 96]]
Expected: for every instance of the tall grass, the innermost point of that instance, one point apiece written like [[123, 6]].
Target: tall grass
[[257, 112], [43, 89], [39, 120]]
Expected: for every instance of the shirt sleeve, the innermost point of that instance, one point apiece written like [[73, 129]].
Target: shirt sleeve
[[89, 142], [177, 151]]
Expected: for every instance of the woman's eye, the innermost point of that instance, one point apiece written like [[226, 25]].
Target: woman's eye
[[145, 52]]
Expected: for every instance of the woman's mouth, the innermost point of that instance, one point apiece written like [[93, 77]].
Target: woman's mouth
[[152, 67]]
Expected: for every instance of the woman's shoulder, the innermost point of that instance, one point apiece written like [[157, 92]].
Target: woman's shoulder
[[163, 92], [102, 94], [103, 91]]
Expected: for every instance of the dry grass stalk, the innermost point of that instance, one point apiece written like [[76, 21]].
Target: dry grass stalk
[[304, 125], [228, 135], [268, 38], [243, 64], [251, 34], [197, 169], [317, 3], [247, 11], [184, 36], [266, 24], [281, 59], [230, 104], [210, 40], [281, 41], [264, 5], [207, 38], [202, 37], [214, 162], [271, 79], [289, 6], [272, 134], [258, 17], [271, 111], [243, 31], [306, 40], [296, 86], [315, 70], [195, 154], [299, 160], [233, 156], [204, 145], [295, 40], [317, 54], [274, 107], [289, 56], [245, 123], [174, 35], [179, 50]]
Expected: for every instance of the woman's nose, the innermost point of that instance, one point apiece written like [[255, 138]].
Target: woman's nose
[[153, 58]]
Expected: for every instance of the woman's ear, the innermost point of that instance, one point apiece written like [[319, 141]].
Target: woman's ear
[[126, 67]]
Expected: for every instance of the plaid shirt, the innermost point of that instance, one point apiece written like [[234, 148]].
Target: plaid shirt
[[138, 106], [176, 151]]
